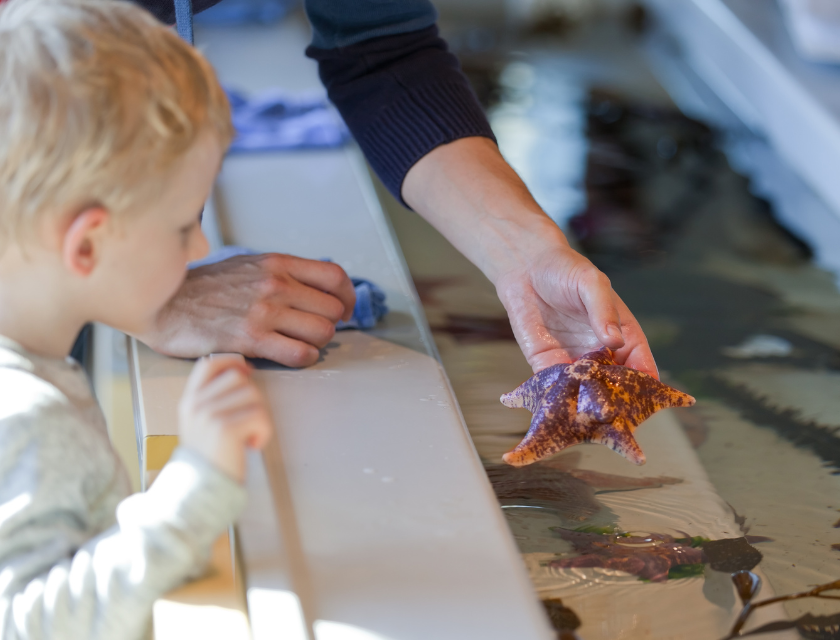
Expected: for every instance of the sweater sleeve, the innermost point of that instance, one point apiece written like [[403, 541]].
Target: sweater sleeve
[[401, 95], [105, 587]]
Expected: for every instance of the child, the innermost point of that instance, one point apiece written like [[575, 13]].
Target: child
[[111, 134]]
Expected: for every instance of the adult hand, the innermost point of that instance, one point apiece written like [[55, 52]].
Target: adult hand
[[272, 306], [559, 304]]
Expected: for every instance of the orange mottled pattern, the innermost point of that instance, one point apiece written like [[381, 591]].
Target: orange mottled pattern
[[591, 400]]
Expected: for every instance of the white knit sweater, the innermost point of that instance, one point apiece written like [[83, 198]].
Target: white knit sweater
[[78, 558]]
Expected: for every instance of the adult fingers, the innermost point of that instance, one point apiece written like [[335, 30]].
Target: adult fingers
[[636, 352], [284, 350], [600, 301], [251, 425], [310, 328], [327, 277], [309, 300]]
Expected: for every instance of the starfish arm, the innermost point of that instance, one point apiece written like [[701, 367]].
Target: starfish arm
[[637, 396], [618, 436], [595, 402], [530, 392], [552, 428]]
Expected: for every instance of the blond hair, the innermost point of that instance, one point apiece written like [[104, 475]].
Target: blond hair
[[98, 101]]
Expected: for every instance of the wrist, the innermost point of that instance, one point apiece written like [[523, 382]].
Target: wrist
[[510, 244], [226, 458]]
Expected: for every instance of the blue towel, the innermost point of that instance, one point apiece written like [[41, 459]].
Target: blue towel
[[370, 306], [370, 299], [276, 120]]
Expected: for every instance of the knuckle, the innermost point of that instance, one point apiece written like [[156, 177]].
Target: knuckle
[[273, 285], [237, 376], [603, 280], [591, 276], [255, 322], [272, 261]]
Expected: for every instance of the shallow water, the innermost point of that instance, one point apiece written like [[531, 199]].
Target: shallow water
[[706, 268]]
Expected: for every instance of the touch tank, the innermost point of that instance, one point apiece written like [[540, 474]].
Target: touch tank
[[739, 501]]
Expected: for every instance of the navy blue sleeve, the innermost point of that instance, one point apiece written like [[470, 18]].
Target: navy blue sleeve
[[402, 96]]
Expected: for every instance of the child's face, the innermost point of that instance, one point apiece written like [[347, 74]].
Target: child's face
[[145, 262]]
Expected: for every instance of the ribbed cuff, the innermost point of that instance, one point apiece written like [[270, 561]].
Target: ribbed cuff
[[417, 122]]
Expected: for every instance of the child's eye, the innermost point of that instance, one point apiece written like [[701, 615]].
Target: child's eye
[[187, 230]]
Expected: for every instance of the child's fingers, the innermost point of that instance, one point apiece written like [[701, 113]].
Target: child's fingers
[[239, 397], [224, 383], [250, 425], [200, 372], [259, 438], [209, 367]]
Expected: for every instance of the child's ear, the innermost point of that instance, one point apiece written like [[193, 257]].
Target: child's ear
[[80, 249]]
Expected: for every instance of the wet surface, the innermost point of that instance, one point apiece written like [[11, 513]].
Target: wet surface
[[737, 315]]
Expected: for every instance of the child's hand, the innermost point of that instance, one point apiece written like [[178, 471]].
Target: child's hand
[[222, 412]]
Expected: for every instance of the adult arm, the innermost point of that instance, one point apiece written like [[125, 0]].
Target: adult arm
[[559, 304], [413, 113]]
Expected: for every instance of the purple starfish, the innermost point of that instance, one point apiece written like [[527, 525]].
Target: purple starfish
[[590, 400]]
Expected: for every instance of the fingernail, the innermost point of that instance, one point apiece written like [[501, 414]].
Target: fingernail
[[614, 332]]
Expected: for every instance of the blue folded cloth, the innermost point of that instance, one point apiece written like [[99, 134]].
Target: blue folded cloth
[[277, 120], [370, 306], [370, 299]]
